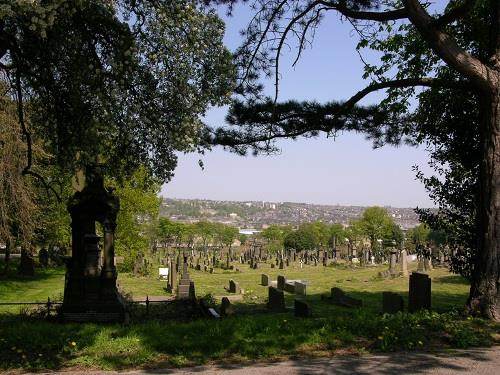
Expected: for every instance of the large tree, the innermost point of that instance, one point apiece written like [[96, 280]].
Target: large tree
[[387, 26], [122, 83]]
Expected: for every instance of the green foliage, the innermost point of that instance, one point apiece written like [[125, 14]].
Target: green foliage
[[304, 238], [419, 234], [139, 206], [376, 224], [125, 80]]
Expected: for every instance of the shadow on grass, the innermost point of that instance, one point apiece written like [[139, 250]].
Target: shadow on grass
[[452, 279], [253, 334]]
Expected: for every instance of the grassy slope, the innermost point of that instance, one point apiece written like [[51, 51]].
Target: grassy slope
[[332, 329]]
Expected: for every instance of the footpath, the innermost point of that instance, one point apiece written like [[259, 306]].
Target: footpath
[[471, 361]]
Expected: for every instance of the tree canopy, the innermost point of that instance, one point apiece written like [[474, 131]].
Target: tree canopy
[[124, 82]]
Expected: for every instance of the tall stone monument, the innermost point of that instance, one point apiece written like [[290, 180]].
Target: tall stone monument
[[90, 292]]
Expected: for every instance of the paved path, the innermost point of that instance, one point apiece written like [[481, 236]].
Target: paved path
[[476, 362]]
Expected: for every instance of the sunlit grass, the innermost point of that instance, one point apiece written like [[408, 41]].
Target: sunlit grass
[[35, 344]]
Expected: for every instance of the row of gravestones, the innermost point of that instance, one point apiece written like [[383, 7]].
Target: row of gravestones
[[419, 296], [276, 303]]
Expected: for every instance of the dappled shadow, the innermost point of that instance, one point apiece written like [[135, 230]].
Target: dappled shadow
[[465, 362], [253, 333]]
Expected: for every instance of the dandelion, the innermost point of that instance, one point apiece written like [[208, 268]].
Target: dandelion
[[420, 343], [73, 343]]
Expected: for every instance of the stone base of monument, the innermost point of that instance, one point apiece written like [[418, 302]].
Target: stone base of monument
[[93, 300]]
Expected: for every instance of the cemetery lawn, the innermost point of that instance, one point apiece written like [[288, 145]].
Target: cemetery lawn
[[30, 343]]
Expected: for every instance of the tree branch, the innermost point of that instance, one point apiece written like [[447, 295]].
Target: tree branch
[[448, 50], [291, 120], [29, 142], [389, 15]]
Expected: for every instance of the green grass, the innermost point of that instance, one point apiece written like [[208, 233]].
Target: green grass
[[253, 334]]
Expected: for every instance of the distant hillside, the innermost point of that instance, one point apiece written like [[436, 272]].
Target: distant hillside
[[258, 214]]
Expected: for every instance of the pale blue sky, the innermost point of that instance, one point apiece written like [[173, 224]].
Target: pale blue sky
[[345, 171]]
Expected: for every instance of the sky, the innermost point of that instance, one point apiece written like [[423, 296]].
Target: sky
[[346, 170]]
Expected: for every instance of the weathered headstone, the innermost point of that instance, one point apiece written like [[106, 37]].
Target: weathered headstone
[[427, 264], [226, 308], [27, 264], [404, 263], [264, 280], [419, 296], [301, 309], [392, 303], [300, 288], [43, 257], [281, 282], [272, 265], [276, 300], [392, 263], [289, 286], [184, 289], [420, 265], [234, 287]]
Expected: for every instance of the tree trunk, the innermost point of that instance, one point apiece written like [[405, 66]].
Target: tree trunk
[[484, 298]]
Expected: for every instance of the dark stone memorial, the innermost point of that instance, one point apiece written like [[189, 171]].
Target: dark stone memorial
[[90, 292], [226, 308], [234, 287], [276, 301], [301, 309], [281, 282], [392, 303], [419, 296]]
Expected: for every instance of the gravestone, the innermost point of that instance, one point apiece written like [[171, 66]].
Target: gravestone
[[27, 264], [300, 288], [43, 257], [420, 266], [289, 286], [276, 300], [90, 290], [264, 280], [281, 282], [392, 303], [272, 265], [404, 263], [172, 277], [339, 297], [184, 289], [427, 264], [226, 309], [392, 263], [419, 296], [234, 287], [301, 309], [281, 264]]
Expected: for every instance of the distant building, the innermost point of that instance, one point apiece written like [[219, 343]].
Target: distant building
[[249, 231]]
